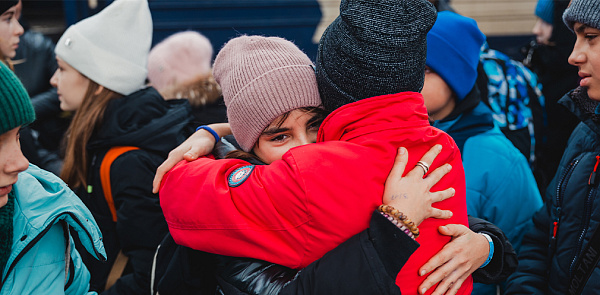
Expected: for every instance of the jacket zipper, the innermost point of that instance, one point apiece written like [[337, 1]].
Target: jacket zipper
[[560, 189], [587, 214], [39, 237]]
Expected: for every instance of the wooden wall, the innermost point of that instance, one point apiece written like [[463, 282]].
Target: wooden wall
[[494, 17]]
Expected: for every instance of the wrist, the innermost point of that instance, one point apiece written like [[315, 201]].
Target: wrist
[[400, 220], [491, 249], [212, 132]]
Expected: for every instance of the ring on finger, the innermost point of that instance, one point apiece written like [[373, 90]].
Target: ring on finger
[[424, 166]]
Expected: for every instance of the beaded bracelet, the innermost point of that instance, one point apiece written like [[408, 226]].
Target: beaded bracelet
[[491, 254], [391, 211], [211, 131], [398, 224]]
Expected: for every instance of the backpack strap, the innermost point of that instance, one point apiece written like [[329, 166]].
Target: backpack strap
[[121, 261], [109, 158]]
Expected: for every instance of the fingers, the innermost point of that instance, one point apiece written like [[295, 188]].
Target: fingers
[[173, 158], [454, 230], [399, 164], [427, 159], [442, 195], [434, 177], [440, 214], [193, 153], [160, 172]]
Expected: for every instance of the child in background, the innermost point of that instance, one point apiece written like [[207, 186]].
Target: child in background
[[38, 213]]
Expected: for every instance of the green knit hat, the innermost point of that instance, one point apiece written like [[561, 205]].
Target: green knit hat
[[15, 106]]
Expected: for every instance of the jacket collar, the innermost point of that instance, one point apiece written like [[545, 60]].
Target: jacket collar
[[586, 109], [393, 111], [42, 200]]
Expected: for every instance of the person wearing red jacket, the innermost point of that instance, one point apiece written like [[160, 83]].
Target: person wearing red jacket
[[232, 208]]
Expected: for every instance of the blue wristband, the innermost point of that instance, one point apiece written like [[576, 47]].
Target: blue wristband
[[217, 138], [487, 261]]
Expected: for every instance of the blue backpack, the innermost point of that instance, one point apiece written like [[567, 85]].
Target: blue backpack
[[515, 96]]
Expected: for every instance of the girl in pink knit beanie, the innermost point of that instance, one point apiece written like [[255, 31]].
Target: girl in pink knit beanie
[[273, 105]]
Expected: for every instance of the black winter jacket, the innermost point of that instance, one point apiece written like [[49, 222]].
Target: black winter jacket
[[571, 212], [145, 120]]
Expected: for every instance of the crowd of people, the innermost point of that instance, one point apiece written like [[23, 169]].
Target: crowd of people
[[391, 164]]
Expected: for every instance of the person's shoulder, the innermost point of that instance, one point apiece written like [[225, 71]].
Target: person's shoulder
[[40, 193]]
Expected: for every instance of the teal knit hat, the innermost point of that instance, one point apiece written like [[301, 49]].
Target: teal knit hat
[[15, 106]]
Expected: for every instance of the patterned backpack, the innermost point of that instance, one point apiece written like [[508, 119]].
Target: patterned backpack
[[515, 97]]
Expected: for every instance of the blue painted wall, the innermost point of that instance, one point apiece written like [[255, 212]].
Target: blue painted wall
[[221, 20]]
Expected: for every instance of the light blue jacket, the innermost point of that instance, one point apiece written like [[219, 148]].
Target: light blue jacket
[[46, 212], [500, 185]]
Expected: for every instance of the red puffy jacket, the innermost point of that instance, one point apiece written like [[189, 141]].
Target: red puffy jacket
[[295, 210]]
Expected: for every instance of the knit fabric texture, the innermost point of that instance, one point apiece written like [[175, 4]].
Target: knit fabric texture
[[263, 78], [111, 47], [373, 48], [180, 58], [6, 230], [15, 106], [545, 10], [7, 4], [586, 12], [453, 48]]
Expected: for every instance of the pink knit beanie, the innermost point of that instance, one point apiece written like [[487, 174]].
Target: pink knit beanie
[[263, 78], [178, 59]]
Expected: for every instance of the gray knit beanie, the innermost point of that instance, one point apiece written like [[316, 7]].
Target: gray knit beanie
[[373, 48], [263, 78], [586, 12]]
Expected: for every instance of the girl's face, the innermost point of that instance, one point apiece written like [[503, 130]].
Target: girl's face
[[299, 128], [70, 85], [10, 31], [586, 56], [12, 162], [542, 31], [438, 96]]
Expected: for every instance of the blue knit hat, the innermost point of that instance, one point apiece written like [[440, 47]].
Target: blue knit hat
[[545, 10], [453, 47]]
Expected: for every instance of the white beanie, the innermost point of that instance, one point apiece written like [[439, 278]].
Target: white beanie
[[111, 48]]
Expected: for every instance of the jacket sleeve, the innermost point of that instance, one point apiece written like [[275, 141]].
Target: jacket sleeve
[[504, 260], [531, 275], [367, 263], [140, 224], [250, 213]]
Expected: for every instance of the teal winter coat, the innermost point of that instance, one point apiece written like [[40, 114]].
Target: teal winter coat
[[46, 214]]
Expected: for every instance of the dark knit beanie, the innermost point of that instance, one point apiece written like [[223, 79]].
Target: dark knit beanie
[[15, 106], [453, 48], [373, 48], [586, 12], [6, 4], [545, 10], [6, 230]]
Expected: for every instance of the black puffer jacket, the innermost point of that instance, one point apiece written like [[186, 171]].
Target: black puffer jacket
[[571, 212], [145, 120]]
